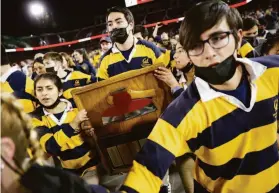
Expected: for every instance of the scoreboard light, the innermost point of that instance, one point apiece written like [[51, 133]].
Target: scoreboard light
[[130, 3]]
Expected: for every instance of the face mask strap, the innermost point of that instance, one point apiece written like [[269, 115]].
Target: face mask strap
[[18, 171]]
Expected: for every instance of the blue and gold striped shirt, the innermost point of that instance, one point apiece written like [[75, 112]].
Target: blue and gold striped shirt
[[143, 54], [236, 146], [22, 87], [59, 139], [73, 80]]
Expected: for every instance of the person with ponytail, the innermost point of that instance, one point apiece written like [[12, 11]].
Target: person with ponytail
[[58, 127]]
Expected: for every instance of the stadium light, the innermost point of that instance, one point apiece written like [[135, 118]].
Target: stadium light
[[36, 9]]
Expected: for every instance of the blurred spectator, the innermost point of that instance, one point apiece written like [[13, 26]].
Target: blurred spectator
[[271, 46], [38, 55], [151, 39], [262, 28], [83, 63], [271, 18], [29, 71], [140, 32], [38, 66], [106, 44], [68, 63]]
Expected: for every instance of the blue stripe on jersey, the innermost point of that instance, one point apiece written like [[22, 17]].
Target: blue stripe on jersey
[[158, 153], [23, 95], [179, 108], [17, 81], [236, 123], [152, 46], [67, 129], [52, 146], [198, 188], [71, 83], [123, 66], [77, 152], [79, 171], [127, 189], [275, 189], [98, 189], [268, 61], [251, 164]]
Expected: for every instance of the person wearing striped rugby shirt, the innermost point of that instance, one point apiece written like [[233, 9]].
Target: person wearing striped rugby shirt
[[228, 116]]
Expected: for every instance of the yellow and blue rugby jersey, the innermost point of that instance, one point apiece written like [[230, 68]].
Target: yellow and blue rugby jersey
[[58, 138], [143, 54], [236, 147], [73, 80], [22, 87], [246, 50]]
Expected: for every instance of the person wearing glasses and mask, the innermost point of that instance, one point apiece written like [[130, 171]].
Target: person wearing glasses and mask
[[219, 117], [127, 53]]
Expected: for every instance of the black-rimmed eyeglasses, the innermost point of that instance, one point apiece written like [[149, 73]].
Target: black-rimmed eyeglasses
[[217, 41]]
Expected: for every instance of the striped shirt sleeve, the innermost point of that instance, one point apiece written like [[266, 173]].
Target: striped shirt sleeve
[[53, 139], [151, 164]]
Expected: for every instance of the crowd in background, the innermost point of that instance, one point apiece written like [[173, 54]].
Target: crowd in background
[[56, 74]]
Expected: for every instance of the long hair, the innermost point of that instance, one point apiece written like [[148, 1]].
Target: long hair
[[69, 59], [16, 124]]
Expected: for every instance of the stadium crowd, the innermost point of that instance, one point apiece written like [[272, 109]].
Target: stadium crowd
[[220, 132]]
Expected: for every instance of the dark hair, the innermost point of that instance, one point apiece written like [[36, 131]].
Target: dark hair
[[269, 44], [49, 76], [262, 21], [127, 13], [83, 53], [39, 60], [141, 29], [248, 23], [204, 16]]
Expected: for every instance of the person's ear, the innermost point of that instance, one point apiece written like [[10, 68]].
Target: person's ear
[[240, 36], [7, 148]]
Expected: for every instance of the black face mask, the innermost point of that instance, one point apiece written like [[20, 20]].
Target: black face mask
[[251, 40], [217, 74], [119, 35], [187, 68], [51, 106], [51, 70]]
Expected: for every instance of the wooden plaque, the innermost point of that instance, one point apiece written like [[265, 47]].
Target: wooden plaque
[[123, 111]]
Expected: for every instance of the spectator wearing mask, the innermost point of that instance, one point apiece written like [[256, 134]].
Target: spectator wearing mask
[[218, 115], [15, 82], [70, 79], [82, 62], [127, 53], [58, 126]]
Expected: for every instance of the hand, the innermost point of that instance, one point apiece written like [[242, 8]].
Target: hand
[[159, 25], [166, 76], [80, 117]]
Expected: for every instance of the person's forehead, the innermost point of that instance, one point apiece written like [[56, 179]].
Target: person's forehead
[[44, 82], [115, 15], [220, 26], [253, 29]]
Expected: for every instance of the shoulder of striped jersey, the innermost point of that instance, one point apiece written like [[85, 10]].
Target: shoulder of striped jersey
[[271, 61], [157, 51], [181, 106], [79, 75], [38, 113], [107, 53]]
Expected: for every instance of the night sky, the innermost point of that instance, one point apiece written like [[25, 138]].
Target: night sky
[[62, 14]]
